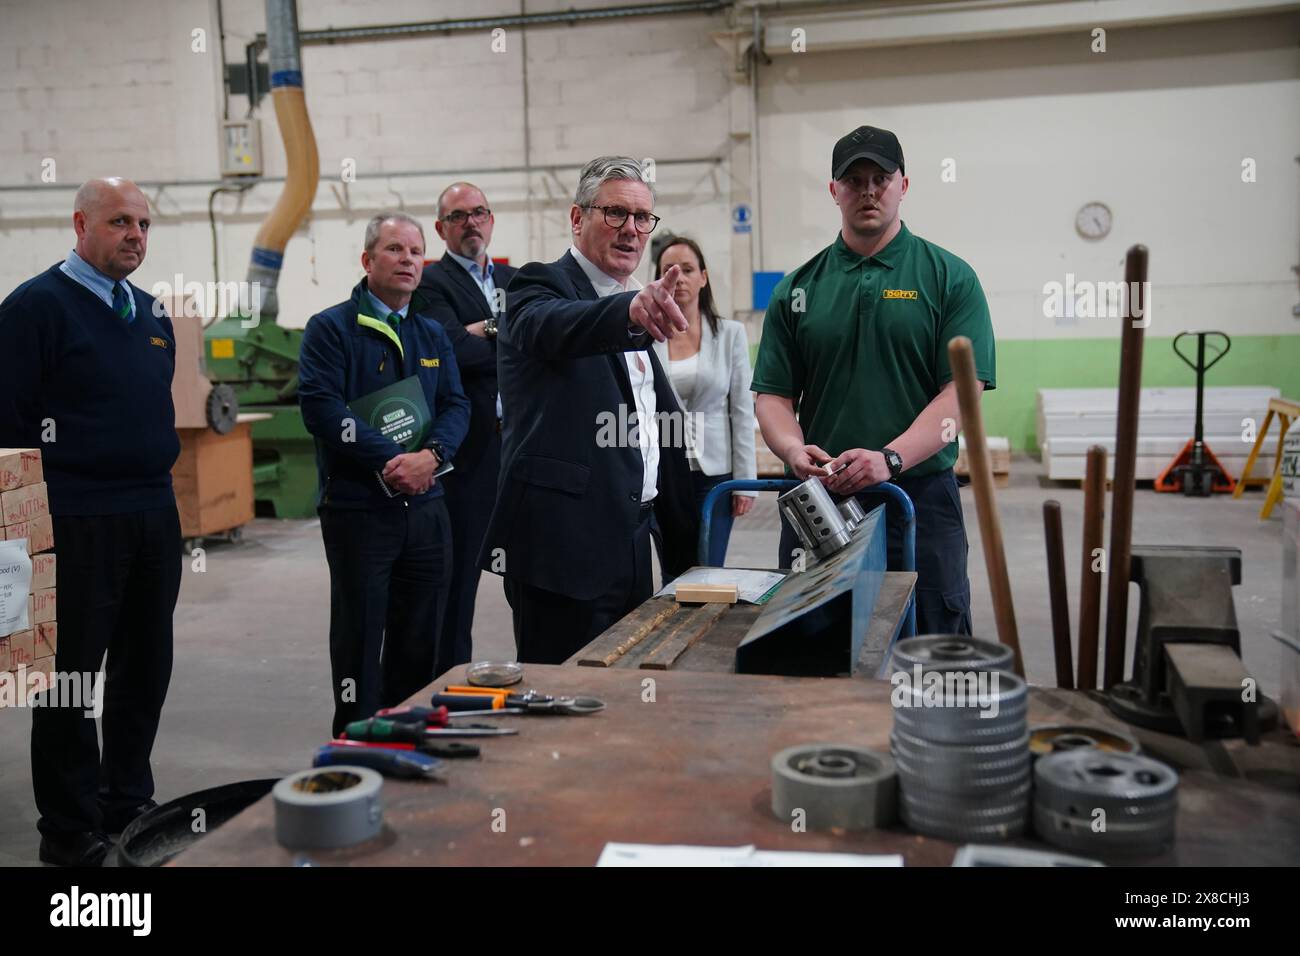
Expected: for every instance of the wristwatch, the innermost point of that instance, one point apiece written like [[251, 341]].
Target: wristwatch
[[438, 449], [490, 327], [893, 461]]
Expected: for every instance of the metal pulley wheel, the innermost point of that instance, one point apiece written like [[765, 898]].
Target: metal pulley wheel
[[972, 707], [222, 409], [951, 652], [1056, 738], [959, 768], [835, 785], [963, 818], [1098, 802]]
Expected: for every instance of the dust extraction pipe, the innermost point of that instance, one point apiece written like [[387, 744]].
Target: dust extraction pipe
[[303, 165]]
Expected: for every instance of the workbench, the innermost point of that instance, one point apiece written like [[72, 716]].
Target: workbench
[[683, 757]]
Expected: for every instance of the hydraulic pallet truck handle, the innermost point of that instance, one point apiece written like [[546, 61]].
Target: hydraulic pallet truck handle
[[1195, 471]]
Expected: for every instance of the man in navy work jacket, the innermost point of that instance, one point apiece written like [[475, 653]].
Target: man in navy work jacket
[[382, 515], [466, 292], [579, 488], [86, 363]]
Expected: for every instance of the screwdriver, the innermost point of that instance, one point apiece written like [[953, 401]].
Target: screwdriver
[[377, 729], [446, 749], [409, 764]]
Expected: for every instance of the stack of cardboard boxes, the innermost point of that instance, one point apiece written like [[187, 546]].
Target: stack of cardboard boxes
[[25, 514]]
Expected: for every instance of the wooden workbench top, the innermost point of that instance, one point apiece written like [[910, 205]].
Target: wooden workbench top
[[692, 766]]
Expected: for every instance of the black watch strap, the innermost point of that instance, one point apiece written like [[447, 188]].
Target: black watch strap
[[438, 449], [893, 461]]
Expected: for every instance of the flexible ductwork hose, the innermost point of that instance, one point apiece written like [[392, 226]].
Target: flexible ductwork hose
[[303, 164]]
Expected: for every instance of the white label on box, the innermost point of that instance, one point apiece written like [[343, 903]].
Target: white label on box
[[1291, 466], [15, 586]]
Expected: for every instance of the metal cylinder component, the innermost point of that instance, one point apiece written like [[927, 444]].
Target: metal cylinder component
[[819, 525], [834, 786], [951, 652], [1099, 802], [852, 511]]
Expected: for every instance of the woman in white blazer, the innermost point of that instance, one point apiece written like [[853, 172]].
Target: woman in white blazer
[[709, 369]]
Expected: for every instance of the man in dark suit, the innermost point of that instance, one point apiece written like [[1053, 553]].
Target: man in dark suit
[[593, 446], [465, 292]]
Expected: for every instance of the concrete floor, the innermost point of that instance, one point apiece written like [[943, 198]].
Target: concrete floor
[[250, 691]]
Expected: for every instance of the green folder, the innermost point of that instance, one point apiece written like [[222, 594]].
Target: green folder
[[399, 411]]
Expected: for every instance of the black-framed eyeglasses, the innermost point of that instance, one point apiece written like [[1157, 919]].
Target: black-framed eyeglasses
[[459, 217], [615, 216]]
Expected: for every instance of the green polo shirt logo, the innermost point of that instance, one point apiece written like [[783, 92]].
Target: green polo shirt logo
[[860, 344]]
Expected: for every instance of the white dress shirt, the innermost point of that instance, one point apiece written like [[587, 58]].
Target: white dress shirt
[[641, 373]]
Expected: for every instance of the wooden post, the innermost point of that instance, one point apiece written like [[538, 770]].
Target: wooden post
[[1056, 591], [962, 361], [1121, 511], [1094, 519]]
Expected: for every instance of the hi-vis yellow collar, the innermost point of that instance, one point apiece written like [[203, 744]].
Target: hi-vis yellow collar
[[370, 322]]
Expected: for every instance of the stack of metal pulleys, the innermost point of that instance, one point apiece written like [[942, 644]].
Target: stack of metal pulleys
[[960, 740], [1104, 802]]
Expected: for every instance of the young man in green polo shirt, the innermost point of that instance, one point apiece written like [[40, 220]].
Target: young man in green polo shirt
[[855, 342]]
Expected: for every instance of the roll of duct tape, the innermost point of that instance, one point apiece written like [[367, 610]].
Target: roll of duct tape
[[834, 785], [328, 807]]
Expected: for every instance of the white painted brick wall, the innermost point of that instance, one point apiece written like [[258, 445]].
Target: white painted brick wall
[[114, 88]]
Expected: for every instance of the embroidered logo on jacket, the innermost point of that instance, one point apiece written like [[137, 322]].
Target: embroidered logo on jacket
[[160, 342], [430, 363]]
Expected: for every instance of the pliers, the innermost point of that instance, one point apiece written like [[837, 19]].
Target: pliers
[[492, 701]]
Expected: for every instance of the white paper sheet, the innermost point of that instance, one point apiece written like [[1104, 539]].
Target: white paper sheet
[[649, 854], [15, 586], [750, 585]]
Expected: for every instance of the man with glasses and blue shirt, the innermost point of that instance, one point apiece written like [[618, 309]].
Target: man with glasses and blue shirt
[[466, 293], [86, 365], [578, 488]]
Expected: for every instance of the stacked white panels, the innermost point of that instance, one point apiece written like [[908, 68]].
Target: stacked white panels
[[1070, 420]]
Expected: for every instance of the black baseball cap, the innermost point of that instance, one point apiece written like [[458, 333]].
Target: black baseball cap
[[867, 142]]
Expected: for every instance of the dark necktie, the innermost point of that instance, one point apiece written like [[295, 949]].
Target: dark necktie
[[395, 322], [122, 302]]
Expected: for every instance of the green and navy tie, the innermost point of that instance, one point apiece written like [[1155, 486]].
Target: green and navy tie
[[394, 322], [122, 302]]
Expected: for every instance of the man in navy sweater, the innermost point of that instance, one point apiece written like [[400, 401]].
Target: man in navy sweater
[[382, 515], [86, 363]]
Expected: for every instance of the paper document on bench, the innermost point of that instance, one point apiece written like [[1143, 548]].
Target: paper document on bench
[[647, 854]]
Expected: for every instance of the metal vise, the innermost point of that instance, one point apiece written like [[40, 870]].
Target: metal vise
[[1188, 677]]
